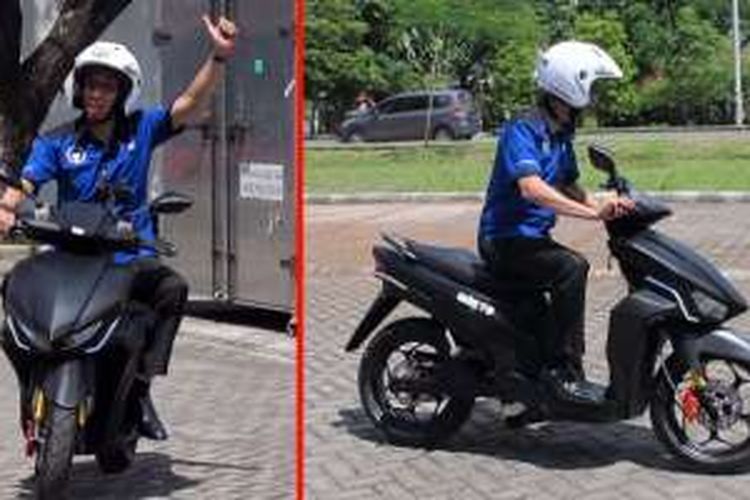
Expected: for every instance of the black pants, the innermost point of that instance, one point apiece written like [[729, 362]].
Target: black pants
[[544, 262], [165, 291]]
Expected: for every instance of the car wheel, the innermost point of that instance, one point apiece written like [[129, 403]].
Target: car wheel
[[443, 134], [355, 136]]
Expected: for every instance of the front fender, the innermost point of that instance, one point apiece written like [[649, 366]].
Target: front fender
[[65, 383], [721, 343]]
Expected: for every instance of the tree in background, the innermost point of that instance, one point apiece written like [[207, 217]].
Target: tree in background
[[676, 54], [348, 45], [616, 101], [27, 88]]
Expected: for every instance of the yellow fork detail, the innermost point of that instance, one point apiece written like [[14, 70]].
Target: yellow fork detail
[[39, 406]]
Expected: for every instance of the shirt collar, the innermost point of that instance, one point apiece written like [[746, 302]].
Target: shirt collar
[[121, 133], [547, 126]]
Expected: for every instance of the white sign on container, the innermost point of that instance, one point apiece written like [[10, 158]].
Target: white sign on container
[[261, 181]]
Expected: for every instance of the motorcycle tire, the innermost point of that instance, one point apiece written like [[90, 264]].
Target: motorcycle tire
[[55, 453], [397, 424], [666, 411]]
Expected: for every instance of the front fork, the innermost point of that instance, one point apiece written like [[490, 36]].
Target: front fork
[[37, 413], [691, 396], [47, 385]]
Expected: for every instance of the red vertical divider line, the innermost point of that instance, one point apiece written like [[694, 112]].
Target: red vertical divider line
[[299, 157]]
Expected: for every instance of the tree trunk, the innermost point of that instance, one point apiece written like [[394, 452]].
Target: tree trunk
[[27, 89]]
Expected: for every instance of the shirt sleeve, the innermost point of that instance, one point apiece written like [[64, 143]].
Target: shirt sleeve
[[158, 125], [42, 163], [520, 151]]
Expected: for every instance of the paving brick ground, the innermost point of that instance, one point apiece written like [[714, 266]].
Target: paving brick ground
[[347, 458], [229, 405]]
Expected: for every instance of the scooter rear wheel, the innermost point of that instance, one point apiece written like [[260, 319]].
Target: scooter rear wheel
[[403, 386], [55, 452], [708, 429]]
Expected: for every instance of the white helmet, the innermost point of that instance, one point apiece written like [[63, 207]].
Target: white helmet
[[569, 69], [110, 55]]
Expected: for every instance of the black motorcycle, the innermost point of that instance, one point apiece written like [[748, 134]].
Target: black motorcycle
[[667, 347], [75, 338]]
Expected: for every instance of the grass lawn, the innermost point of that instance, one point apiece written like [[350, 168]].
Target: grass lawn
[[693, 161]]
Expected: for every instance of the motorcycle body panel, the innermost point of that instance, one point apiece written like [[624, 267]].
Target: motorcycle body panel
[[484, 323], [675, 270], [632, 347], [77, 291]]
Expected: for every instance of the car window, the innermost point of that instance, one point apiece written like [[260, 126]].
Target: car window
[[386, 106], [441, 101], [464, 98], [408, 103]]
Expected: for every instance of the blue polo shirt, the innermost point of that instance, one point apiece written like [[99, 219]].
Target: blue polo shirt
[[80, 164], [526, 147]]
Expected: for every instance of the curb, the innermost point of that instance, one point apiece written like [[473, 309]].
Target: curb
[[457, 197], [331, 141]]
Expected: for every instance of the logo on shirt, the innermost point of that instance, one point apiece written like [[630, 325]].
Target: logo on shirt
[[75, 155], [131, 146]]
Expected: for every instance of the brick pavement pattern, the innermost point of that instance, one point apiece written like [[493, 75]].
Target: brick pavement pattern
[[347, 458], [229, 405]]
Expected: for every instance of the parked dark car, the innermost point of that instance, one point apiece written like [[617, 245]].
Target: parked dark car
[[404, 117]]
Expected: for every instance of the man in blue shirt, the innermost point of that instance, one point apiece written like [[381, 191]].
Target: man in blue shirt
[[108, 148], [534, 179]]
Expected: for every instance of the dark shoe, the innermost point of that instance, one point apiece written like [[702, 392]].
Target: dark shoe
[[571, 388], [150, 425]]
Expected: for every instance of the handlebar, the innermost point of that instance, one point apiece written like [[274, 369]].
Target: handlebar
[[79, 240]]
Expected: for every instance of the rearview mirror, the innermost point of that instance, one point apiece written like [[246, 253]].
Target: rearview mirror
[[601, 158]]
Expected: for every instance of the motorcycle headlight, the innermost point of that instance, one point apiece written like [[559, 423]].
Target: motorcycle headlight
[[708, 307], [17, 333], [92, 337], [80, 337], [25, 338]]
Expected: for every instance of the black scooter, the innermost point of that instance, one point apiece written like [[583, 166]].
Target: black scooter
[[75, 338], [667, 347]]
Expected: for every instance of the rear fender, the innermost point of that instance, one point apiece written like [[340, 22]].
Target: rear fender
[[386, 301]]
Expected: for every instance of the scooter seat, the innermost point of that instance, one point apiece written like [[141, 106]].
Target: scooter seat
[[467, 268]]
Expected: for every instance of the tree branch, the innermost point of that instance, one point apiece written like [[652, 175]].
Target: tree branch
[[79, 24], [10, 39]]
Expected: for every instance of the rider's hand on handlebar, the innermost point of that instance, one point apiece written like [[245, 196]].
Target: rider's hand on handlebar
[[612, 208]]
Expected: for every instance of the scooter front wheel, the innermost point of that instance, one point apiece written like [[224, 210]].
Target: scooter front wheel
[[705, 423], [55, 452], [406, 386]]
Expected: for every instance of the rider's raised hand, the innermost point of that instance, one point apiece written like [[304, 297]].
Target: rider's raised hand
[[223, 35]]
